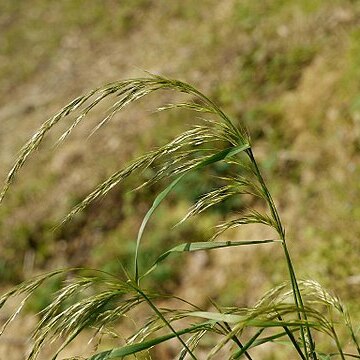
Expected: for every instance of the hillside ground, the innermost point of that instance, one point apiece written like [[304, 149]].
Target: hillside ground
[[289, 70]]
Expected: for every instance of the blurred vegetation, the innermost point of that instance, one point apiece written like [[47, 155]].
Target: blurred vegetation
[[289, 69]]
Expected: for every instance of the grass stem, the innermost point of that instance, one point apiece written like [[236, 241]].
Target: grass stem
[[161, 316], [280, 229]]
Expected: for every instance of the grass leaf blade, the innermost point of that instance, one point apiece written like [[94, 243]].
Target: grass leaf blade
[[228, 152], [135, 348], [198, 246]]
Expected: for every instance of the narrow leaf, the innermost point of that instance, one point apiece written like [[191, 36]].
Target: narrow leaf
[[210, 160], [135, 348], [197, 246], [216, 316]]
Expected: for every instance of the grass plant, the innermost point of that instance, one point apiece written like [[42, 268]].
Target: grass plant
[[298, 313]]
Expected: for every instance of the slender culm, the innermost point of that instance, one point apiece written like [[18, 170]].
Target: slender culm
[[295, 313]]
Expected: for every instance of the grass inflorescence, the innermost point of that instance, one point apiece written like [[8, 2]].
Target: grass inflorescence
[[297, 313]]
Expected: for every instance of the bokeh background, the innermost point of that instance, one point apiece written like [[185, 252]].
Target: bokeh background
[[289, 70]]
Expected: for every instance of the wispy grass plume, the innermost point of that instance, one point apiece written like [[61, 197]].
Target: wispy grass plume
[[295, 313]]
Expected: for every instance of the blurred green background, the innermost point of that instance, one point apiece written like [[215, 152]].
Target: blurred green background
[[289, 70]]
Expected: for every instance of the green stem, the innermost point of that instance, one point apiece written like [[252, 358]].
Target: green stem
[[161, 316], [338, 343], [247, 345], [293, 340], [227, 328], [281, 231], [237, 341]]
